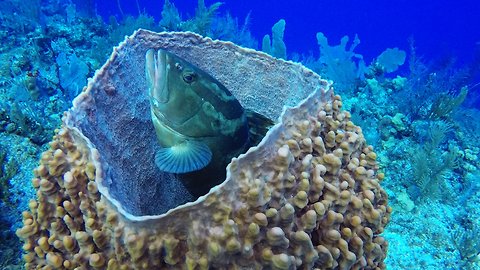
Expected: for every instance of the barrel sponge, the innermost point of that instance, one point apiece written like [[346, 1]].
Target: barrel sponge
[[308, 196]]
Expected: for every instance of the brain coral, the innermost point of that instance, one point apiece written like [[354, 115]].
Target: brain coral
[[307, 197]]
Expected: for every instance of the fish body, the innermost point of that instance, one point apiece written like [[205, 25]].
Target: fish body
[[199, 124]]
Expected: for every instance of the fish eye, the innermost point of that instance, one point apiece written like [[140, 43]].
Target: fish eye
[[189, 77]]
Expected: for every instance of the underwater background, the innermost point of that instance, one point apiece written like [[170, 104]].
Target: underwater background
[[408, 71]]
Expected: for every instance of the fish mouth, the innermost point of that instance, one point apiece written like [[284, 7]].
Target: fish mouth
[[156, 69]]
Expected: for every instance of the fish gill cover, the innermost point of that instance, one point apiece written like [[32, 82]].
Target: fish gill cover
[[422, 118]]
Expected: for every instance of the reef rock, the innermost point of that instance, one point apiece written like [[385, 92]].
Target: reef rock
[[307, 197]]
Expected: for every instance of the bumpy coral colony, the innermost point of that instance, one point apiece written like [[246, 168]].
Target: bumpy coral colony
[[307, 197]]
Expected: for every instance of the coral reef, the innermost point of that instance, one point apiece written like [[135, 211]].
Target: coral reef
[[308, 196], [429, 230], [208, 22], [424, 137], [17, 156], [426, 166], [48, 48]]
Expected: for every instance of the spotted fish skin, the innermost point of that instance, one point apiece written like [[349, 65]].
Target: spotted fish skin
[[192, 111]]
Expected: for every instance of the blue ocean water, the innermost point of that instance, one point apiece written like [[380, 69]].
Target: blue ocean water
[[418, 105], [438, 27]]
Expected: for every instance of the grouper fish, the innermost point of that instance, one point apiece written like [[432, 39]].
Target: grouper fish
[[199, 124]]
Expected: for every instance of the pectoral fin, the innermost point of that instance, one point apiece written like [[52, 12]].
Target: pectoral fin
[[182, 158]]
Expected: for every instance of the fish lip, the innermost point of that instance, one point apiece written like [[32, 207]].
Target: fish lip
[[157, 70], [161, 77]]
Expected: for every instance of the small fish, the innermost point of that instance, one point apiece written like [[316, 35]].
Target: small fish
[[199, 124]]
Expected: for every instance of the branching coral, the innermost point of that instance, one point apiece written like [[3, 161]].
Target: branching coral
[[430, 164], [207, 23], [170, 17], [446, 103], [202, 21]]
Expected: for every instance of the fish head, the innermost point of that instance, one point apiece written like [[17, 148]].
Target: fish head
[[196, 118], [173, 87]]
